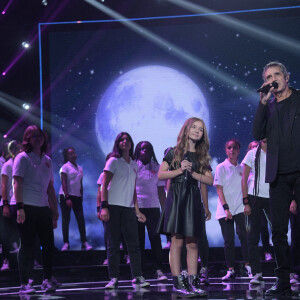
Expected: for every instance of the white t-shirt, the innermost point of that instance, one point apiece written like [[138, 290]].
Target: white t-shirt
[[37, 173], [74, 176], [100, 179], [249, 160], [7, 170], [121, 189], [146, 185], [229, 177]]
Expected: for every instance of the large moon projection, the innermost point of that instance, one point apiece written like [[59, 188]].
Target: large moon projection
[[150, 103]]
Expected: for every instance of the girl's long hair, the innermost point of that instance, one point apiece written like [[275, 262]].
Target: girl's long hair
[[28, 134], [117, 152], [202, 146], [138, 149]]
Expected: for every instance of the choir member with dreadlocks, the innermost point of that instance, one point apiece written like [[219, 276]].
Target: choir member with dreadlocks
[[256, 202], [150, 196]]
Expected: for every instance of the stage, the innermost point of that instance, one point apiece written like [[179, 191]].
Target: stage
[[83, 277]]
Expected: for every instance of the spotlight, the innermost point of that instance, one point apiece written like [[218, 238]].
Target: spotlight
[[5, 136], [3, 12], [25, 45], [3, 73], [44, 2], [26, 106]]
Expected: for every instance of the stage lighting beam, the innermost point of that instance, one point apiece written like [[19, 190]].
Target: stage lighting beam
[[173, 49], [265, 35]]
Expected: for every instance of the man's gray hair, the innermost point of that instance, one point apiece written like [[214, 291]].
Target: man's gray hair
[[275, 64]]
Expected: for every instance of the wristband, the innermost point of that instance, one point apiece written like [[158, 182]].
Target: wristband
[[98, 209], [246, 201], [20, 205], [225, 206], [104, 204], [5, 203]]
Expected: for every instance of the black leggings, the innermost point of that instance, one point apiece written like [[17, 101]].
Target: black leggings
[[38, 221], [66, 213]]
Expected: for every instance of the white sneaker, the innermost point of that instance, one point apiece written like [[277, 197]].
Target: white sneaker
[[86, 246], [139, 281], [229, 275], [47, 286], [5, 265], [26, 289], [127, 259], [257, 279], [268, 256], [161, 276], [65, 247], [55, 283], [249, 271], [168, 245], [113, 284], [15, 248], [294, 278]]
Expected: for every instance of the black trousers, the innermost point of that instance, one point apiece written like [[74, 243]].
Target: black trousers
[[122, 220], [10, 231], [66, 214], [152, 216], [281, 194], [295, 241], [38, 221], [227, 228], [258, 206], [264, 234]]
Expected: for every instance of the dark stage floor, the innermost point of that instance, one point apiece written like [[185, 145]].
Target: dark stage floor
[[83, 277], [237, 289]]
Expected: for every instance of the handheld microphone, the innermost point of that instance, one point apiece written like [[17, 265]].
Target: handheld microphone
[[186, 173], [265, 89]]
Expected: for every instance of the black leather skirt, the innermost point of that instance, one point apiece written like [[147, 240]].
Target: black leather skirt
[[183, 211]]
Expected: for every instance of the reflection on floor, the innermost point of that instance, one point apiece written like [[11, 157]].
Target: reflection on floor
[[83, 277], [236, 289]]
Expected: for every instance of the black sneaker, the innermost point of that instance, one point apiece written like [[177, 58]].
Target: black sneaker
[[195, 284], [182, 287], [279, 289]]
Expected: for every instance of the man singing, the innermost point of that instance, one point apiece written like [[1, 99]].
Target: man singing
[[278, 119]]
